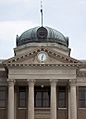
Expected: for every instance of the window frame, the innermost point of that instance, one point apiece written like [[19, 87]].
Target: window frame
[[22, 89], [5, 98], [42, 99], [82, 100], [62, 89]]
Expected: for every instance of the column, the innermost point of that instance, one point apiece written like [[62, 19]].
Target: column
[[73, 101], [30, 99], [68, 102], [10, 99], [53, 100], [15, 103]]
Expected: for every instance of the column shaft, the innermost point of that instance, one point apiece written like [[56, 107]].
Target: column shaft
[[53, 100], [11, 99], [73, 102], [30, 99], [69, 103]]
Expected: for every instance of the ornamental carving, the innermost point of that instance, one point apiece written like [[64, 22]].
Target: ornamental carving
[[11, 82]]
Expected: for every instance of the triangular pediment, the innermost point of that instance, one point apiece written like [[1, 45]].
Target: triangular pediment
[[53, 57]]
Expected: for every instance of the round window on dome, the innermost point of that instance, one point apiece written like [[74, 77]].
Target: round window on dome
[[42, 33]]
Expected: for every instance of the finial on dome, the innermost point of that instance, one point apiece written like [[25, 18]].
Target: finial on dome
[[41, 10], [17, 38]]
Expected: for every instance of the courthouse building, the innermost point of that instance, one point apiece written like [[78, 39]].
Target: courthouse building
[[42, 80]]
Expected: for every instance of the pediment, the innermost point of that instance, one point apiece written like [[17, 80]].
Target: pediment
[[53, 57]]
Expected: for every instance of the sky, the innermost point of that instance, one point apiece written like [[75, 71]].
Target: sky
[[66, 16]]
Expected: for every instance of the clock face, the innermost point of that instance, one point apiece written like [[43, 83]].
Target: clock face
[[42, 56]]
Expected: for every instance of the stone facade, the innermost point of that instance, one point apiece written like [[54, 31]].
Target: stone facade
[[51, 88]]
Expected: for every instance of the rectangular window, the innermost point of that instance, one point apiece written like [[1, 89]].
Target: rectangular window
[[22, 97], [61, 97], [82, 97], [42, 97], [3, 97]]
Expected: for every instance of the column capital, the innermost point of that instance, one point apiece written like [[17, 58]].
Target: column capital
[[30, 81], [72, 82], [11, 82], [53, 81]]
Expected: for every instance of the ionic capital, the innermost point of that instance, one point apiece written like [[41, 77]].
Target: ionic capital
[[53, 82], [11, 82], [30, 82], [72, 82]]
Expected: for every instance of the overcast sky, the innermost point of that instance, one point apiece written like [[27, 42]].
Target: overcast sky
[[66, 16]]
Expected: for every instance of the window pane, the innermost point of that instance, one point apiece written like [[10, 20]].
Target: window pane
[[62, 104], [3, 96], [82, 97], [2, 103], [38, 99], [22, 96], [45, 95], [42, 97], [38, 103], [38, 95], [45, 99], [82, 94], [46, 103], [22, 103], [62, 97], [2, 88]]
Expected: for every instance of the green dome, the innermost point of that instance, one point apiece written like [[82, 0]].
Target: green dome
[[42, 35]]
